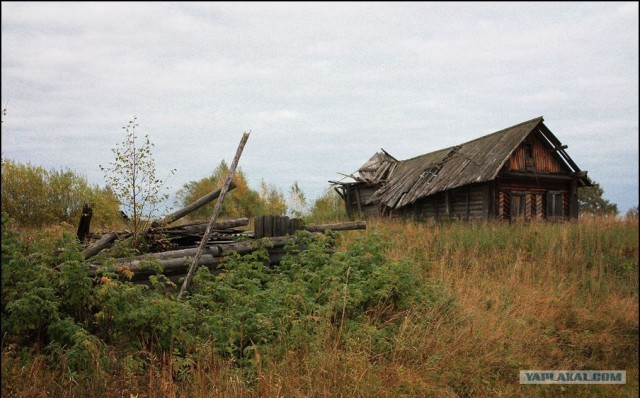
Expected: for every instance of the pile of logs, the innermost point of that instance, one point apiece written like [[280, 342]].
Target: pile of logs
[[174, 246], [180, 249]]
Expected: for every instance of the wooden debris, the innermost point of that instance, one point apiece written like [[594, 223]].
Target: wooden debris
[[102, 243], [180, 249], [175, 216], [214, 216], [85, 222]]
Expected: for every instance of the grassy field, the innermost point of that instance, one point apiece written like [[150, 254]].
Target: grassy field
[[401, 309]]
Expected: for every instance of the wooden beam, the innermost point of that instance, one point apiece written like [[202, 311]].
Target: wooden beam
[[180, 260], [100, 244], [358, 200], [216, 212], [190, 208], [345, 226]]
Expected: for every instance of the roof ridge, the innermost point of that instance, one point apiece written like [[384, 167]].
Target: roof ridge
[[539, 119]]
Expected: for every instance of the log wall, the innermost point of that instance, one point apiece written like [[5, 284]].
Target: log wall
[[356, 197], [533, 155]]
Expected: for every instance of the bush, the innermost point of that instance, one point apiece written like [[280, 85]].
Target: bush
[[35, 197]]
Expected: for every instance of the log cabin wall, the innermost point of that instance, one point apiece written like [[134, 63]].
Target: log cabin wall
[[356, 198], [533, 155], [521, 172], [471, 202], [533, 199]]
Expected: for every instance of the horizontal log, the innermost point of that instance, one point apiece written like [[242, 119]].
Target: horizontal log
[[178, 258], [345, 226], [190, 208], [199, 228], [100, 244]]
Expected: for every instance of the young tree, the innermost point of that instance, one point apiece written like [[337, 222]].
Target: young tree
[[241, 202], [273, 200], [297, 202], [328, 207], [133, 181]]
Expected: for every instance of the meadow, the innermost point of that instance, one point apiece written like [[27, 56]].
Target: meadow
[[400, 309]]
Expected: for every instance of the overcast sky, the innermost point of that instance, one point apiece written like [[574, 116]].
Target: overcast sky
[[322, 86]]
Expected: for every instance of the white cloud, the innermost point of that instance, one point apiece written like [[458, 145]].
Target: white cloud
[[320, 84]]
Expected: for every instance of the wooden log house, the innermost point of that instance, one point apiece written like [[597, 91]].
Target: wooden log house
[[521, 172]]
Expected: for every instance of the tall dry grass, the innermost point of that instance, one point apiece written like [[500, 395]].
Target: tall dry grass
[[520, 296]]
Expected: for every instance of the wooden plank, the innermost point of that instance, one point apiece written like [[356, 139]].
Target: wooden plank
[[216, 212], [267, 226], [295, 224], [258, 227], [358, 200], [284, 226]]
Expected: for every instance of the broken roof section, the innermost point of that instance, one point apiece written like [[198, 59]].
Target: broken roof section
[[377, 168], [479, 160]]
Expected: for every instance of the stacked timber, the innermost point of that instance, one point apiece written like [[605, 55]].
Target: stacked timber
[[174, 247]]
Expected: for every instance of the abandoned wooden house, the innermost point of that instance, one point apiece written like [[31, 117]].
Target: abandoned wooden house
[[521, 172]]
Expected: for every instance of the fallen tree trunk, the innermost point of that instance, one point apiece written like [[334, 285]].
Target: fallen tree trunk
[[199, 228], [345, 226], [100, 244], [190, 208]]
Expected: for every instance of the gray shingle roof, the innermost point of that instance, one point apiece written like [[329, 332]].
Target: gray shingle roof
[[475, 161]]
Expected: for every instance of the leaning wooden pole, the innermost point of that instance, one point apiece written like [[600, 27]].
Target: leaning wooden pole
[[216, 212], [190, 208]]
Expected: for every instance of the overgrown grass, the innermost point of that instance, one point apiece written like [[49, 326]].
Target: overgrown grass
[[401, 309]]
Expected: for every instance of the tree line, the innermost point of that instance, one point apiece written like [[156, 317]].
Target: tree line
[[34, 197]]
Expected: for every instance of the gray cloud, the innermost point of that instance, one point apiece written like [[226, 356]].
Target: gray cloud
[[321, 85]]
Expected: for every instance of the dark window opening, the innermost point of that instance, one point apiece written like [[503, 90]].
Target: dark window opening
[[518, 205], [529, 161], [555, 208]]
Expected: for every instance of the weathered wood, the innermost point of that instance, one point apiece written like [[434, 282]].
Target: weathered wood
[[172, 260], [345, 226], [267, 227], [85, 222], [258, 227], [295, 224], [358, 202], [191, 208], [214, 216], [100, 244], [200, 228]]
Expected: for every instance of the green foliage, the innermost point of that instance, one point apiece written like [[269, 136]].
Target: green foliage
[[591, 201], [381, 309], [251, 304], [133, 181], [240, 202], [28, 294], [33, 196], [329, 207], [374, 304]]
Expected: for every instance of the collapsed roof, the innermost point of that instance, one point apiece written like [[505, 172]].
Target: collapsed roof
[[404, 182]]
